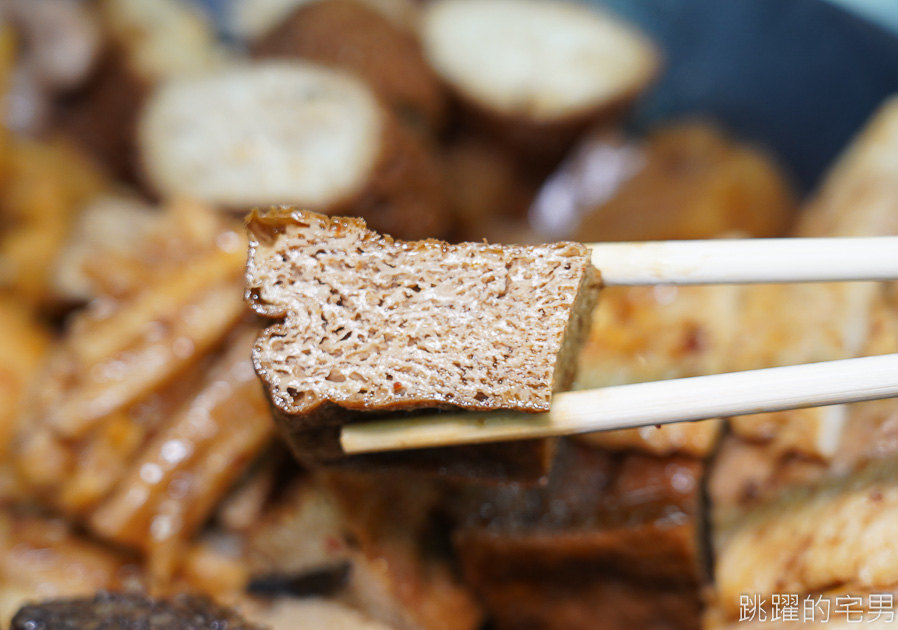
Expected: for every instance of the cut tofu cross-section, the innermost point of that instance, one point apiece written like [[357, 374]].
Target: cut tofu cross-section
[[610, 542], [372, 324]]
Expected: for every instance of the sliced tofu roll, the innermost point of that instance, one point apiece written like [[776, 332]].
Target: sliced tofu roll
[[291, 132], [536, 71], [357, 37]]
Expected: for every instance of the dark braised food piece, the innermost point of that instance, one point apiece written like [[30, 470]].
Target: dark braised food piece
[[117, 611], [612, 541]]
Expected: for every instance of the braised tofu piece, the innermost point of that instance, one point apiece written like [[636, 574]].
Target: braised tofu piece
[[411, 325], [308, 135], [612, 540], [503, 61]]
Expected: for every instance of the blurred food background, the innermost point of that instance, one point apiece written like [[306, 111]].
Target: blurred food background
[[138, 449]]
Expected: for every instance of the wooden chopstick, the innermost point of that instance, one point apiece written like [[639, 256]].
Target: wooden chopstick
[[741, 261], [747, 261], [642, 404]]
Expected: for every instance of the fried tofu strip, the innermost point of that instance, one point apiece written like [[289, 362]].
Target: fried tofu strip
[[112, 360], [173, 485], [117, 396], [119, 244], [23, 344]]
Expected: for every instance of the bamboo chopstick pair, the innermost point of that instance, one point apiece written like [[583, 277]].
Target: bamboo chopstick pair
[[748, 261]]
